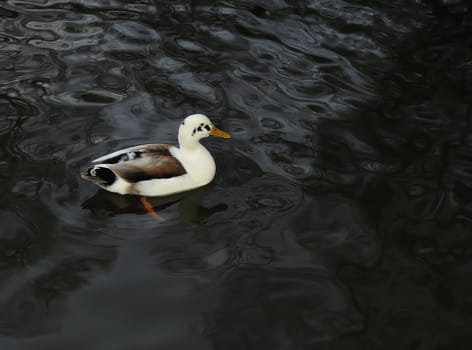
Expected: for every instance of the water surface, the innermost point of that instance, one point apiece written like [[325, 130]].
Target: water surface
[[340, 217]]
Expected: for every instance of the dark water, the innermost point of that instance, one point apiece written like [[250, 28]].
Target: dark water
[[340, 217]]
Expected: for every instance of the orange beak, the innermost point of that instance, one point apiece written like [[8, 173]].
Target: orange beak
[[219, 133]]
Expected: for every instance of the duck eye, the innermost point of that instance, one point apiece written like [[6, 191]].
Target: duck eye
[[208, 127]]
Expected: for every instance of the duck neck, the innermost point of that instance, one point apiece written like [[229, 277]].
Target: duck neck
[[189, 143]]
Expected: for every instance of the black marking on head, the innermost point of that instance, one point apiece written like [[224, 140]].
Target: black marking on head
[[104, 174], [200, 128], [183, 123], [208, 127]]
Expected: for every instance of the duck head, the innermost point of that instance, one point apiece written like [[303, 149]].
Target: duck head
[[196, 127]]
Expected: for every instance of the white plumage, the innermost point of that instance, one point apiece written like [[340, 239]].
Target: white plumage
[[160, 169]]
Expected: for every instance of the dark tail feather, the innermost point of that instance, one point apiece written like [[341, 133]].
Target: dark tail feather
[[100, 176]]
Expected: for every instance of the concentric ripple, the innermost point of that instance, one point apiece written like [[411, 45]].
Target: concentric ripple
[[340, 213]]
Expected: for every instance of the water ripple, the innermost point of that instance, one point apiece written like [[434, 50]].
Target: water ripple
[[86, 98], [347, 179]]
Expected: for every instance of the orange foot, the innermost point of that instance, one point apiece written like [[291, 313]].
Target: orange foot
[[150, 209]]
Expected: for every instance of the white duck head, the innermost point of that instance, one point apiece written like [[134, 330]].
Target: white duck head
[[195, 127]]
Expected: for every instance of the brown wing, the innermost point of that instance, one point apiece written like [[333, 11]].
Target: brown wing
[[145, 162]]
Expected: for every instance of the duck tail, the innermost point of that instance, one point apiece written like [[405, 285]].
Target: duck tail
[[99, 175]]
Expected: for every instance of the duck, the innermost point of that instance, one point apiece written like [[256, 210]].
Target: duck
[[155, 170]]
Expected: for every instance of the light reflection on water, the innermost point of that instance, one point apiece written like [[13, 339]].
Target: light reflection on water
[[340, 214]]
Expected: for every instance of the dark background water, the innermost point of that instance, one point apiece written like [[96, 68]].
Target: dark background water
[[340, 217]]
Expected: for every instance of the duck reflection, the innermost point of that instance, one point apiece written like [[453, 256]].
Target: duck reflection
[[189, 204]]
